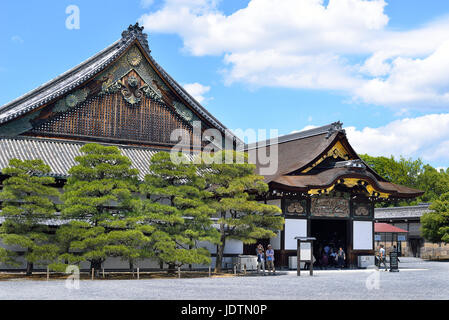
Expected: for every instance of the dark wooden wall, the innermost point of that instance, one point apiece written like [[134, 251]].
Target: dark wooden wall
[[110, 116]]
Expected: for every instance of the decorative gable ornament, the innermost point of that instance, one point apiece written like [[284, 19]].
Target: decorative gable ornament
[[335, 127], [131, 91]]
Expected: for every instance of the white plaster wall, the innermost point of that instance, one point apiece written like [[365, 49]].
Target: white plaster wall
[[115, 263], [22, 264], [13, 248], [362, 235], [231, 247], [294, 228], [276, 242], [209, 246]]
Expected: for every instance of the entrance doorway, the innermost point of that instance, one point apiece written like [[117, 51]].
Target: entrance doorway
[[331, 233], [415, 247]]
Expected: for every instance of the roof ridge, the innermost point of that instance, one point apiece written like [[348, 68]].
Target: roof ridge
[[57, 78], [328, 129], [89, 68]]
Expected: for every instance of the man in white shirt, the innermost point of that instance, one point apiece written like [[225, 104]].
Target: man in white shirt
[[382, 257]]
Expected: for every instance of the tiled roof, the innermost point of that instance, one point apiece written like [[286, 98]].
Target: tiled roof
[[401, 212], [60, 155], [327, 129], [87, 70], [297, 150], [331, 176], [50, 222]]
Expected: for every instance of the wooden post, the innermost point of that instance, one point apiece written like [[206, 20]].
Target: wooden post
[[298, 258], [93, 273], [235, 269], [179, 272], [138, 273], [244, 268], [209, 272], [103, 272], [311, 257], [48, 273]]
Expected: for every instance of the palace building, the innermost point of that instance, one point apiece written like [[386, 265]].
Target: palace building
[[123, 97], [325, 191]]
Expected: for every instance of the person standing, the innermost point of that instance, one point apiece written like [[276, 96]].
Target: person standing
[[326, 249], [382, 257], [397, 251], [332, 257], [260, 259], [270, 259], [341, 257]]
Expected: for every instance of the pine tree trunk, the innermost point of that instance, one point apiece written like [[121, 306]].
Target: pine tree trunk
[[29, 268], [220, 250], [96, 265], [171, 268]]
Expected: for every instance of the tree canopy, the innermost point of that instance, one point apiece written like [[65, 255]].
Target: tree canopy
[[234, 186], [435, 224], [177, 206], [27, 208], [411, 173], [97, 200]]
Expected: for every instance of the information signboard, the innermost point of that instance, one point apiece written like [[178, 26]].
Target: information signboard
[[306, 251], [394, 266]]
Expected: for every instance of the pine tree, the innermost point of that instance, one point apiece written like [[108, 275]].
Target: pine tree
[[177, 209], [234, 186], [27, 208], [98, 194]]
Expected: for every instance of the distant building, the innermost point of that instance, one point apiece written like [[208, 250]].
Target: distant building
[[408, 219]]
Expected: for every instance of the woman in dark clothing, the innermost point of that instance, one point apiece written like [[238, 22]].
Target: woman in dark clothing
[[341, 256]]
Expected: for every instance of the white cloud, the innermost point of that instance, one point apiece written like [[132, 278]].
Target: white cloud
[[17, 39], [344, 46], [422, 82], [425, 137], [308, 127], [146, 3], [197, 91]]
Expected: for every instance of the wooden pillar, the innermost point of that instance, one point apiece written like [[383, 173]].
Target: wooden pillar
[[298, 257], [311, 261]]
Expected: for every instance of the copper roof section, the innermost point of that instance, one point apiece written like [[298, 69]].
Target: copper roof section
[[387, 228], [297, 150]]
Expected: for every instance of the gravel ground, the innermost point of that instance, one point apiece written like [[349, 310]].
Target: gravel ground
[[417, 279]]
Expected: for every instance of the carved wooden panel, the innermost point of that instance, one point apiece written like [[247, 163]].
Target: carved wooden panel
[[362, 209], [330, 207], [111, 116], [295, 207]]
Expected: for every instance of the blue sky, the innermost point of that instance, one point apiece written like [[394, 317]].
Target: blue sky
[[377, 66]]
